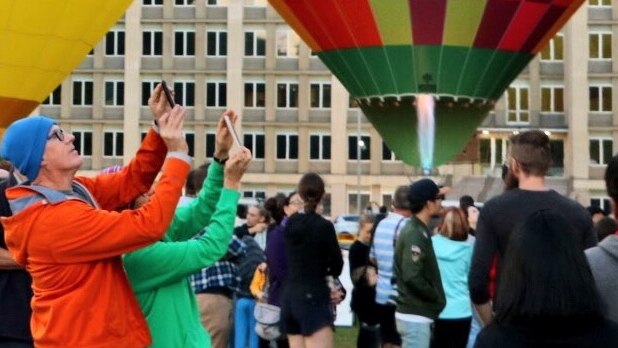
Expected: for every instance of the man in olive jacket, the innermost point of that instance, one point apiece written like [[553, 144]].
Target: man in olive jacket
[[421, 297]]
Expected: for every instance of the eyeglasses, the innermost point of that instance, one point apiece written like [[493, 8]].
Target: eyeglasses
[[58, 133], [297, 202]]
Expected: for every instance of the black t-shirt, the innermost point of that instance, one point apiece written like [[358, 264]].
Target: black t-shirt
[[15, 288], [499, 218], [363, 295]]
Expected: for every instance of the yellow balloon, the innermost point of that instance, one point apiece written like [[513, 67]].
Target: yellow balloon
[[41, 42]]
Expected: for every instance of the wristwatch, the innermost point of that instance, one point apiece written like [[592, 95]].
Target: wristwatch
[[220, 161]]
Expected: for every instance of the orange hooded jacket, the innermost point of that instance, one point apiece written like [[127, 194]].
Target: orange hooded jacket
[[72, 250]]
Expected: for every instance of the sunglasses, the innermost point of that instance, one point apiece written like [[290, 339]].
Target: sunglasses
[[58, 133]]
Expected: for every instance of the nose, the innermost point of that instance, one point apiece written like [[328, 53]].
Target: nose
[[69, 137]]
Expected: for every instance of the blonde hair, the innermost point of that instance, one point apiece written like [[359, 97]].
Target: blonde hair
[[454, 224]]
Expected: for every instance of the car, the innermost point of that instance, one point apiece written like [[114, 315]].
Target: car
[[346, 223]]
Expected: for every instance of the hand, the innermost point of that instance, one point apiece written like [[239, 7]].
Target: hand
[[170, 130], [372, 276], [258, 228], [224, 139], [235, 168], [336, 296], [158, 103], [262, 267]]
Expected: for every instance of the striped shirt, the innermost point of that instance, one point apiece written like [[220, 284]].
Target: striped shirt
[[383, 251]]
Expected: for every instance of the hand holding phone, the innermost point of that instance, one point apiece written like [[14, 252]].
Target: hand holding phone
[[232, 130], [168, 94]]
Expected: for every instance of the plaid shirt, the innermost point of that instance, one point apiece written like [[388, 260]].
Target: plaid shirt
[[223, 273]]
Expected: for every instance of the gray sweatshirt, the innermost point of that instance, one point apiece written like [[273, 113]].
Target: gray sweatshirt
[[603, 261]]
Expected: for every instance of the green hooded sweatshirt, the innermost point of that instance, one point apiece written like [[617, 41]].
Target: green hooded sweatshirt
[[158, 273]]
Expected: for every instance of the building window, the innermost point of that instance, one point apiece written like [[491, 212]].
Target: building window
[[554, 51], [601, 150], [259, 195], [255, 94], [287, 146], [147, 88], [287, 95], [288, 43], [113, 143], [387, 153], [114, 93], [190, 138], [114, 43], [255, 43], [54, 97], [319, 147], [600, 98], [255, 143], [184, 42], [183, 2], [83, 142], [355, 144], [216, 94], [552, 99], [320, 95], [152, 2], [210, 144], [82, 93], [600, 3], [152, 42], [353, 203], [518, 105], [216, 43], [600, 45], [184, 93], [217, 2]]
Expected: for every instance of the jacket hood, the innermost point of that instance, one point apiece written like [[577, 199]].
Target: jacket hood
[[610, 246], [450, 250]]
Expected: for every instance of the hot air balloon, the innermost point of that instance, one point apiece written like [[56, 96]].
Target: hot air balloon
[[419, 65], [41, 42]]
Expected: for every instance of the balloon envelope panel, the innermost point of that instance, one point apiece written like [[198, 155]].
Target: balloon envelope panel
[[41, 42]]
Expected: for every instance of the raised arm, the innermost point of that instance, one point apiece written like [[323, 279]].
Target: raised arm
[[193, 217]]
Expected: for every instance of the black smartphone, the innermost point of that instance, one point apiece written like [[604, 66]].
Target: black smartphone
[[168, 94]]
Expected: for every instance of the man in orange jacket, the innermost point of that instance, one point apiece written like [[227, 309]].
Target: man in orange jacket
[[66, 233]]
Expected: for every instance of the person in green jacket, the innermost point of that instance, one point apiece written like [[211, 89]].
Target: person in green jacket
[[158, 273], [421, 296]]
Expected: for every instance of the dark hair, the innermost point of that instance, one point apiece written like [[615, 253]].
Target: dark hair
[[416, 207], [275, 206], [611, 178], [383, 209], [531, 150], [605, 227], [311, 190], [547, 276], [400, 198], [464, 202], [195, 180], [241, 211]]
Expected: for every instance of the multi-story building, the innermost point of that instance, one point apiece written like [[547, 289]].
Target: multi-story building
[[296, 117]]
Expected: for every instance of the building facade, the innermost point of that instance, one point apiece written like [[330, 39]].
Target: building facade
[[297, 117]]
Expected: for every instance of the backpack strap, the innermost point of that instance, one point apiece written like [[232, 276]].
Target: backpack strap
[[47, 195]]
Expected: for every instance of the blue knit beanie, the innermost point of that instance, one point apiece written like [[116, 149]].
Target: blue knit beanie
[[23, 144]]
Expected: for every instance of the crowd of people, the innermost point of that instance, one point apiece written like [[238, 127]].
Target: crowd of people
[[124, 260]]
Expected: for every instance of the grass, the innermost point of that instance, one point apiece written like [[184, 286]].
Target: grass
[[345, 337]]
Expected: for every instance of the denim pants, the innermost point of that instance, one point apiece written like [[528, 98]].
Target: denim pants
[[414, 334], [244, 324]]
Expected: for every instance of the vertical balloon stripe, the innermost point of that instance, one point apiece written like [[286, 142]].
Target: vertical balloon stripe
[[427, 21], [573, 5], [334, 28], [393, 19], [526, 18], [542, 27], [462, 21], [496, 18], [299, 27]]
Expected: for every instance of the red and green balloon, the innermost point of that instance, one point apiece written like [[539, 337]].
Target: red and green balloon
[[464, 52]]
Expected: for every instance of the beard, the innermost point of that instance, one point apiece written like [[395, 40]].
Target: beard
[[510, 180]]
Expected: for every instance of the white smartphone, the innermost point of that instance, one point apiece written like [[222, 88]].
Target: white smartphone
[[232, 130]]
